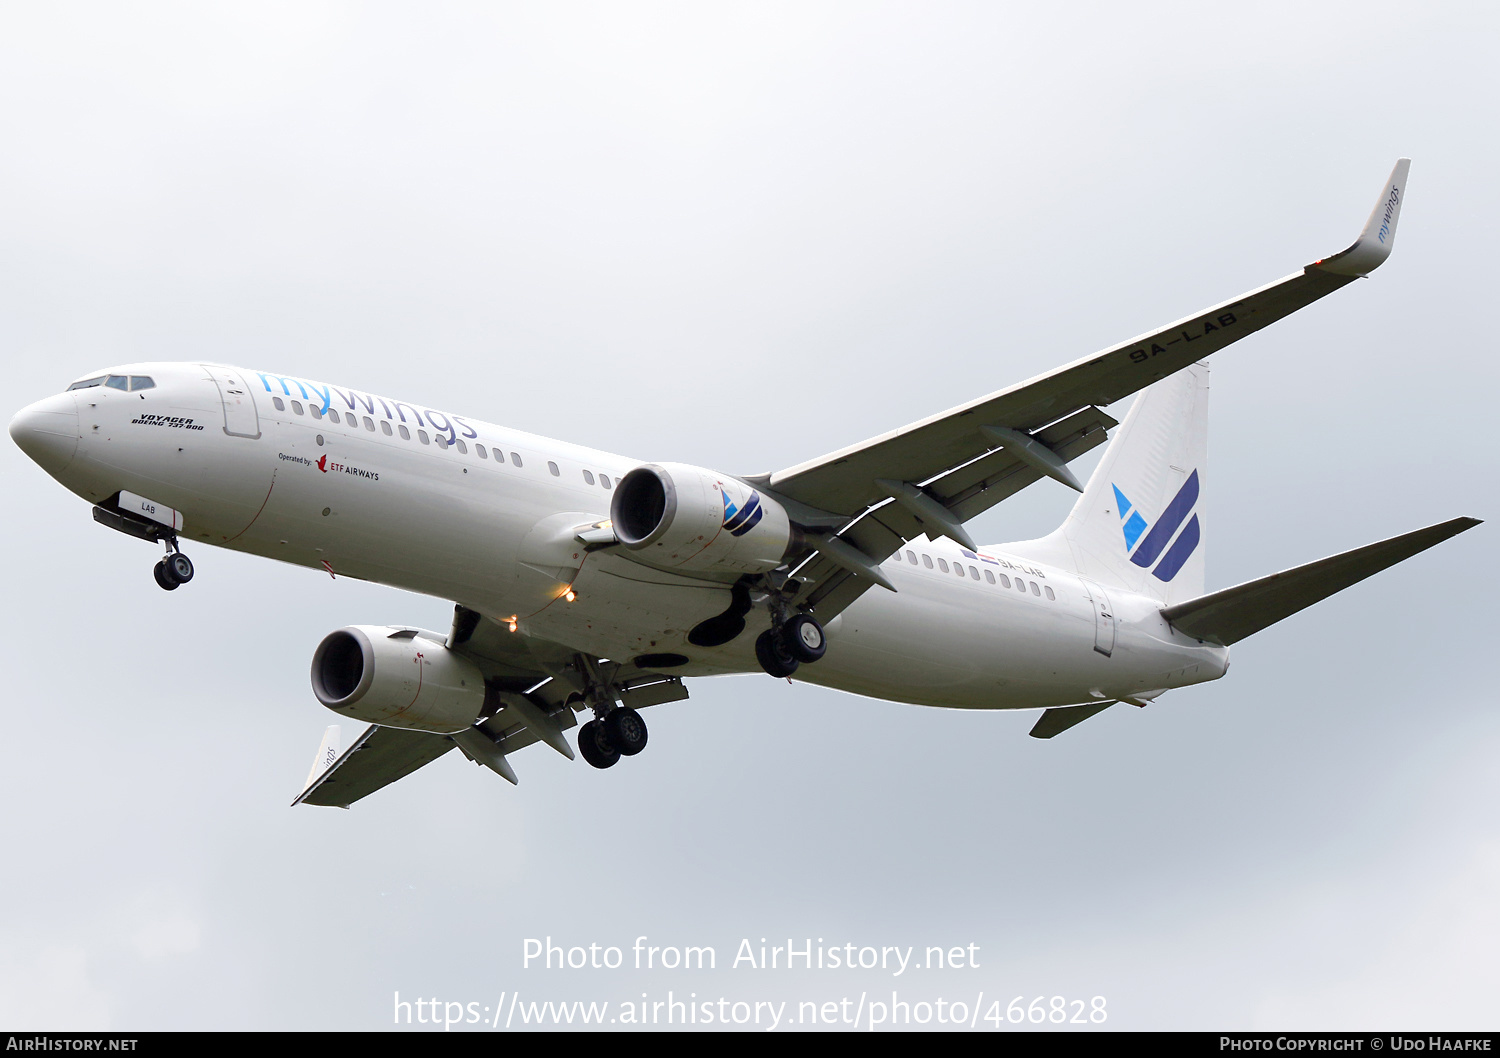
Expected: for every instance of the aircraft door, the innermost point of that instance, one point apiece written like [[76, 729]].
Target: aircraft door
[[240, 416], [1104, 619]]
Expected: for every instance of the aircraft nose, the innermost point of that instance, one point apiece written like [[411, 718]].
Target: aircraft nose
[[47, 431]]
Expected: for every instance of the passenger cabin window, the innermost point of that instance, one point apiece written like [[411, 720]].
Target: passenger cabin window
[[297, 407], [138, 382], [927, 561], [588, 476], [989, 576], [353, 421], [280, 405], [911, 558], [553, 467], [88, 383], [463, 449], [117, 382], [1034, 589], [973, 573], [943, 564], [515, 457], [422, 436], [385, 426], [1050, 596], [483, 453], [405, 433], [604, 480], [317, 413], [442, 442], [369, 424], [333, 416]]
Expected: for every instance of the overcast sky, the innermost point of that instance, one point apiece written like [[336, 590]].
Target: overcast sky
[[742, 236]]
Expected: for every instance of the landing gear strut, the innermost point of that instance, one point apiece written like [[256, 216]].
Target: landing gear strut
[[616, 730], [796, 641], [175, 569]]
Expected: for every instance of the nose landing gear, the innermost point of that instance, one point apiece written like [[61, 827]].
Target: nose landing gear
[[175, 569]]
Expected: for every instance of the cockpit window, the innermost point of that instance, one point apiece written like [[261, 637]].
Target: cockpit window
[[120, 382]]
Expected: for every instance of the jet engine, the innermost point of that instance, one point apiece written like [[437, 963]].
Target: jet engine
[[679, 517], [397, 677]]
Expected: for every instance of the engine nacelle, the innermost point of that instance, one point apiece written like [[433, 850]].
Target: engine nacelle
[[682, 517], [395, 677]]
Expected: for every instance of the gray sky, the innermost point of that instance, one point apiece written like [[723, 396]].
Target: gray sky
[[628, 226]]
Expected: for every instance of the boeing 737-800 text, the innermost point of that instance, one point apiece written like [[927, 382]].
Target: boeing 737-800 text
[[591, 582]]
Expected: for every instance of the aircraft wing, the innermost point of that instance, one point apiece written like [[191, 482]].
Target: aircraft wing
[[530, 697], [378, 757], [956, 464]]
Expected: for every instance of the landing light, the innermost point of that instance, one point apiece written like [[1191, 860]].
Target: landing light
[[570, 595]]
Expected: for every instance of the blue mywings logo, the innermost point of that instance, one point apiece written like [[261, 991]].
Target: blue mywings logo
[[740, 520], [1161, 533]]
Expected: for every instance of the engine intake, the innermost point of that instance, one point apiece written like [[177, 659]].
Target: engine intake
[[681, 517], [397, 678]]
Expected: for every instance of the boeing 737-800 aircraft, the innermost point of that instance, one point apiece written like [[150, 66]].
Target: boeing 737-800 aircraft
[[587, 581]]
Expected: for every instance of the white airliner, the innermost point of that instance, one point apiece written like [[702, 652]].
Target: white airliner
[[591, 581]]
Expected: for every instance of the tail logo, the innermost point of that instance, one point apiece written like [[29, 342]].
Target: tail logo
[[1144, 552], [740, 520]]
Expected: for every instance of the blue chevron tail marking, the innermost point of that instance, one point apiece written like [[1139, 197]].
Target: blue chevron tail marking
[[1179, 553], [1175, 514]]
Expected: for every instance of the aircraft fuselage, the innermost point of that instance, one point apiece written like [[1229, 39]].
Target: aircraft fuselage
[[385, 491]]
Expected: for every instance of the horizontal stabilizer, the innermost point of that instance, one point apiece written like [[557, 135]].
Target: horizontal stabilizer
[[1056, 721], [378, 758], [1230, 615]]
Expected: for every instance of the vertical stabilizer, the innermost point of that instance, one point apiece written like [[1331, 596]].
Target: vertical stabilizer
[[1139, 524]]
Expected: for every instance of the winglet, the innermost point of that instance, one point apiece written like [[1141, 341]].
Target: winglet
[[1374, 243], [328, 752]]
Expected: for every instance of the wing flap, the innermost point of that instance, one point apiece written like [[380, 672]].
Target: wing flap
[[971, 490], [966, 492], [1227, 616]]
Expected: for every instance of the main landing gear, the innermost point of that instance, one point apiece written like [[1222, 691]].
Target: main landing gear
[[616, 730], [621, 733], [174, 570], [796, 641]]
